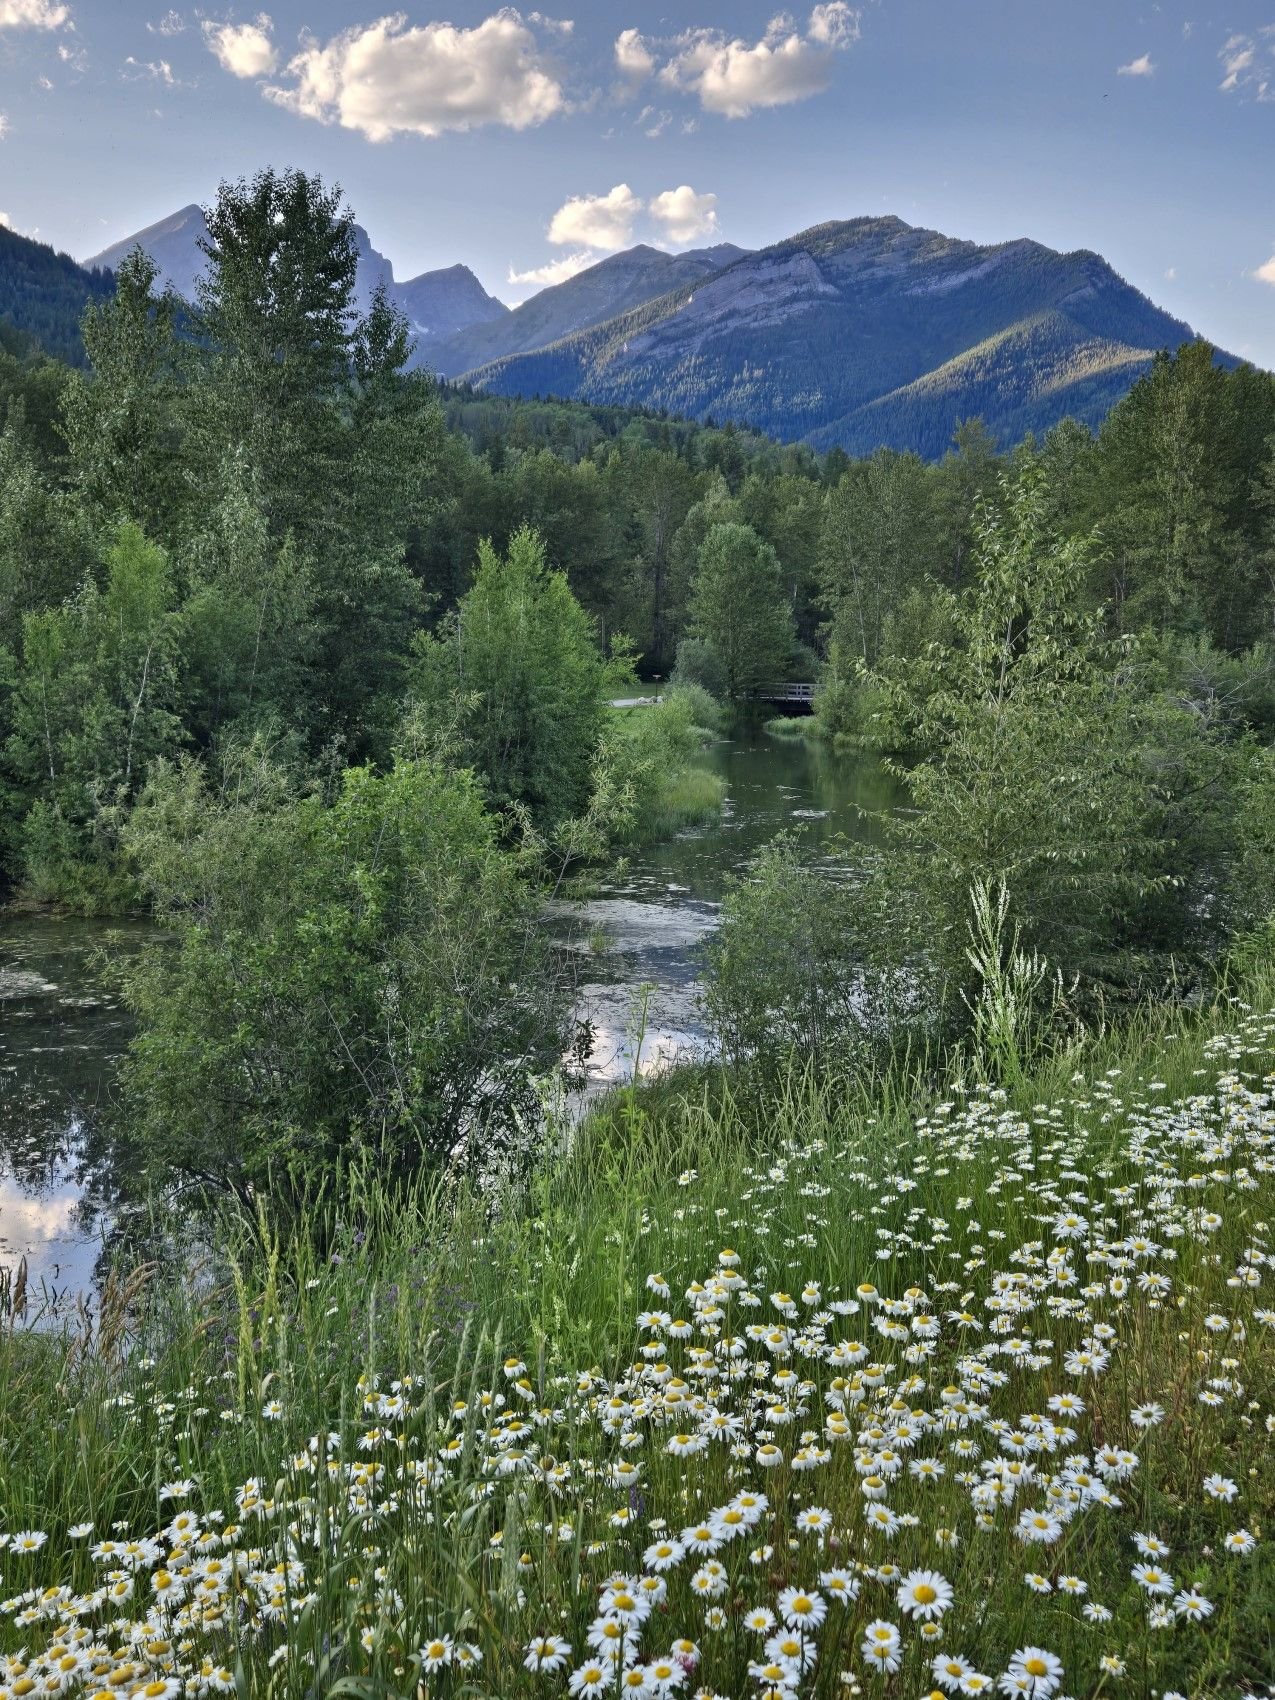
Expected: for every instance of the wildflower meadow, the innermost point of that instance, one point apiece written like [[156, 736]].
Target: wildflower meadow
[[955, 1393]]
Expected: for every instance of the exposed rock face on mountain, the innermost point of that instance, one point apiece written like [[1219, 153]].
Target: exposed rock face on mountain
[[598, 293], [440, 303], [436, 304], [868, 332], [173, 244]]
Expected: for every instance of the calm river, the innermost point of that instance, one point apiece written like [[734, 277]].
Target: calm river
[[657, 912], [62, 1032]]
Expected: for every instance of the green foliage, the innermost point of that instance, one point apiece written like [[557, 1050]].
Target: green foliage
[[878, 541], [44, 293], [127, 449], [700, 706], [649, 754], [792, 727], [46, 539], [1178, 473], [32, 388], [250, 623], [274, 309], [1041, 761], [1009, 1025], [335, 442], [365, 973], [518, 675], [1252, 889], [806, 963], [699, 667], [94, 705], [739, 608]]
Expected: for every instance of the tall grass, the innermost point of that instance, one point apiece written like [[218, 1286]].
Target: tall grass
[[687, 797], [658, 749], [793, 727], [403, 1399]]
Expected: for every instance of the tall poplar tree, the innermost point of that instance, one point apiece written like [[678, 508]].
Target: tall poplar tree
[[738, 606]]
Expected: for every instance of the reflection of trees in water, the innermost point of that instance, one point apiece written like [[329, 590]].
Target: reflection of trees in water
[[62, 1033]]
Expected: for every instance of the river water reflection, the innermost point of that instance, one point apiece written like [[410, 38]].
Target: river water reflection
[[657, 912], [62, 1030]]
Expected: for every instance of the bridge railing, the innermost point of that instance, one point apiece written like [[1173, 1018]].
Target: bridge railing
[[786, 691]]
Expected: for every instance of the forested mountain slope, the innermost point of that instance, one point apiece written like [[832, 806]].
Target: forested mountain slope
[[44, 293], [615, 285], [869, 332]]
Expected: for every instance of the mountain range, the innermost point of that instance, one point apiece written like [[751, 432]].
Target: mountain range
[[863, 333], [858, 333], [592, 297], [436, 304]]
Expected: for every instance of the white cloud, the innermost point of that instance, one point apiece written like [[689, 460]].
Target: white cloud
[[1171, 274], [632, 55], [159, 69], [245, 50], [1143, 66], [834, 25], [734, 78], [597, 221], [1248, 64], [5, 221], [556, 271], [654, 123], [1266, 273], [33, 15], [598, 225], [172, 23], [682, 215], [4, 126], [1237, 57], [387, 78]]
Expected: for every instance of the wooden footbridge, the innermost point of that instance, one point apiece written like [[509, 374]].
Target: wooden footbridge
[[798, 697], [790, 694]]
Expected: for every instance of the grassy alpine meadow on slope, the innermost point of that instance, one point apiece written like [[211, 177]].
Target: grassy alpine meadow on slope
[[901, 1394]]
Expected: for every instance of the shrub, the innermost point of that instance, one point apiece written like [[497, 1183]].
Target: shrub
[[518, 677], [698, 664], [651, 753], [804, 961], [364, 973]]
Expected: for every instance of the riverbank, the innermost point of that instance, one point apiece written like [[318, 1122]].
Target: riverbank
[[63, 1030], [907, 1269]]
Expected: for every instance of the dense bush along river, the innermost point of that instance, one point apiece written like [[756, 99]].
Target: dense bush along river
[[639, 931]]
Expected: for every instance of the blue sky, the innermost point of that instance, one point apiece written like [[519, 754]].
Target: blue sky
[[527, 143]]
